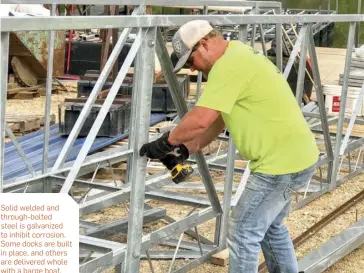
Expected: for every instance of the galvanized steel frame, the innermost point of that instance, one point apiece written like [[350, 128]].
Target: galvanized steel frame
[[126, 258]]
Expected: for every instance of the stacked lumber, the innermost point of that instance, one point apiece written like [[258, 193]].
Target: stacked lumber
[[23, 124], [18, 90], [356, 76]]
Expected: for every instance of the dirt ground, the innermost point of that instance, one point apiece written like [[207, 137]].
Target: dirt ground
[[297, 221]]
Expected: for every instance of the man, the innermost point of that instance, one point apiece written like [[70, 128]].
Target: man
[[246, 93]]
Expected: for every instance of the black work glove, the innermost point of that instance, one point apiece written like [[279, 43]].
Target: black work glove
[[171, 160], [160, 147]]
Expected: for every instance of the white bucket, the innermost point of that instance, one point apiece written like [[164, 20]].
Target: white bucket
[[333, 97]]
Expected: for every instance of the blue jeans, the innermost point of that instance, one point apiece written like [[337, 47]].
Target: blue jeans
[[257, 223]]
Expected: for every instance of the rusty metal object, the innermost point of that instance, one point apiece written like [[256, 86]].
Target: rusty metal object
[[17, 48], [321, 224], [23, 72], [36, 43]]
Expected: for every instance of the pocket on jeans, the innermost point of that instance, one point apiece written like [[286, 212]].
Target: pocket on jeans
[[299, 180]]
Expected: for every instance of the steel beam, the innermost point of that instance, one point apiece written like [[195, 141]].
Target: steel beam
[[320, 97], [121, 226], [333, 250], [228, 186], [302, 69], [87, 167], [296, 48], [19, 149], [352, 121], [339, 134], [279, 46], [144, 81], [140, 21], [176, 197], [190, 233], [168, 232], [95, 264], [197, 262], [4, 49], [49, 83], [187, 245], [197, 3], [181, 106], [169, 254], [99, 245]]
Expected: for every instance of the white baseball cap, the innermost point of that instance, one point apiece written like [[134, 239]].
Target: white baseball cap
[[186, 38]]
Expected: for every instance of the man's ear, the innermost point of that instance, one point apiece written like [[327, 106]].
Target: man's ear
[[203, 43]]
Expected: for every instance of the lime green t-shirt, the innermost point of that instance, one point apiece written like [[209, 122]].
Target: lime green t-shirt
[[260, 111]]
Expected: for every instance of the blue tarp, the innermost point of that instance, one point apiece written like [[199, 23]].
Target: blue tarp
[[32, 145]]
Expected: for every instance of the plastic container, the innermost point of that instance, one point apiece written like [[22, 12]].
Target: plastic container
[[161, 96], [333, 96], [115, 123]]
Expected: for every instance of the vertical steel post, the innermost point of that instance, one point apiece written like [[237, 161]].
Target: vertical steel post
[[47, 185], [47, 112], [252, 36], [262, 39], [181, 106], [228, 187], [199, 74], [144, 76], [320, 99], [337, 6], [133, 113], [357, 30], [301, 70], [243, 33], [254, 27], [3, 95], [279, 60], [343, 98]]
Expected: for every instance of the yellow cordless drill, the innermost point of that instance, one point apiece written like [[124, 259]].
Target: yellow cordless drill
[[180, 171]]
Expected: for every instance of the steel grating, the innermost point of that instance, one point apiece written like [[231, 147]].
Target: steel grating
[[32, 144]]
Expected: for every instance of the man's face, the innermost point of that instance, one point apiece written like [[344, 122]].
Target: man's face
[[200, 60]]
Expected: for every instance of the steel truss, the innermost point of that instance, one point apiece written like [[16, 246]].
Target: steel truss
[[99, 253]]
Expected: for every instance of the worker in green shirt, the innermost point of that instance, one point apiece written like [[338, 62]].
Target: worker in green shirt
[[247, 94]]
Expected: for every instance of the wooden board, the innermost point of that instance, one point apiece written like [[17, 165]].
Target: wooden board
[[358, 129], [221, 258], [16, 90], [24, 95], [23, 126], [17, 118], [23, 72]]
